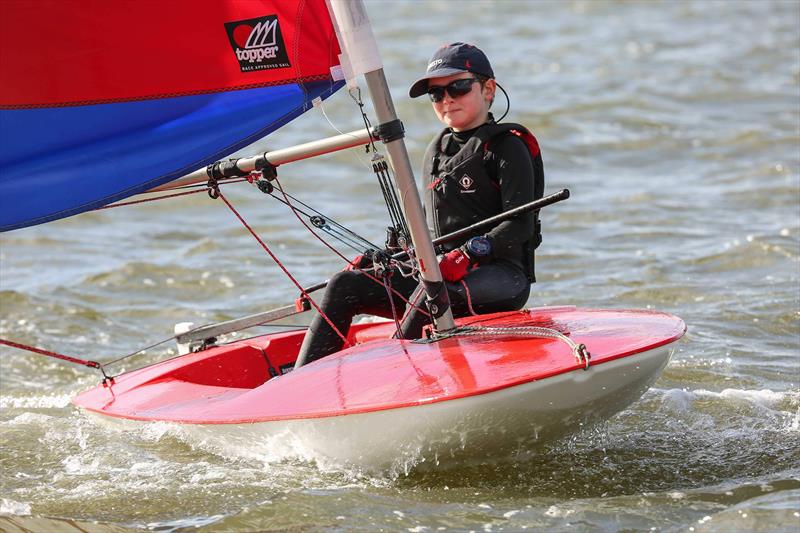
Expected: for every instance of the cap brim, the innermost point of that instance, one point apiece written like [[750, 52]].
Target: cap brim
[[420, 87]]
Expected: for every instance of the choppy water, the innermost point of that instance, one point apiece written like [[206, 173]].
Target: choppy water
[[676, 125]]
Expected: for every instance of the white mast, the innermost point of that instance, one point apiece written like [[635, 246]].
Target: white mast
[[360, 56]]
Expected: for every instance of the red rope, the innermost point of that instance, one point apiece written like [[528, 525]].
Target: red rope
[[469, 299], [285, 271], [417, 295], [294, 211], [90, 364], [264, 246]]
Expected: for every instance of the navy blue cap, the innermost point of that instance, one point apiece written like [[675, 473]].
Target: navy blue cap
[[450, 59]]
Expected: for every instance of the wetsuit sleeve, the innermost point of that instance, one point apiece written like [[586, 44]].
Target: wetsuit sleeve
[[521, 180]]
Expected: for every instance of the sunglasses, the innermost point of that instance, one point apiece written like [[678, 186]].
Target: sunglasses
[[454, 89]]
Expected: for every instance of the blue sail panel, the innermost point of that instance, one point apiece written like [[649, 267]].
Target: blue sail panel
[[59, 161]]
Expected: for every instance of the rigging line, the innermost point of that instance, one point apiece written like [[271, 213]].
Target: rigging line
[[385, 190], [344, 228], [324, 114], [388, 288], [159, 343], [383, 175], [196, 188], [340, 233], [396, 200], [322, 109], [334, 250], [168, 339], [48, 353], [381, 170], [354, 237], [343, 239], [145, 200], [379, 167], [469, 299], [357, 99], [285, 270]]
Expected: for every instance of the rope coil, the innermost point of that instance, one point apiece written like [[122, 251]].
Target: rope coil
[[579, 350]]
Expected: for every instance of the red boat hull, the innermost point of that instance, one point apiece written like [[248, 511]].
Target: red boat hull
[[232, 384]]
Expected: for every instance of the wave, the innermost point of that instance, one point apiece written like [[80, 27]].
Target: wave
[[34, 402], [758, 410], [778, 400], [11, 507]]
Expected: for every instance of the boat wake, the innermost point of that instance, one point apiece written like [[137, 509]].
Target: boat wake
[[774, 409], [289, 449]]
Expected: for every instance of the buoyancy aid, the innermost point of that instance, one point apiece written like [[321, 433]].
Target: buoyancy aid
[[463, 188]]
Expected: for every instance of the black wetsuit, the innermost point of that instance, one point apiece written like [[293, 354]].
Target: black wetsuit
[[468, 176]]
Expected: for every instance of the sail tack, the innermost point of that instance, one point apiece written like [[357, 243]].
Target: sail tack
[[103, 100]]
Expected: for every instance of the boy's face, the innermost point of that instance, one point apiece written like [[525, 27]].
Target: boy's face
[[467, 111]]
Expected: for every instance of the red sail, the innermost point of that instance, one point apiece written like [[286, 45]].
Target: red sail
[[61, 52], [102, 100]]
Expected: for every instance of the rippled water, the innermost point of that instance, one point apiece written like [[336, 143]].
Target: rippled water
[[676, 125]]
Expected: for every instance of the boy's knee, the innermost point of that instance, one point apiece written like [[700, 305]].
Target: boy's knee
[[345, 282]]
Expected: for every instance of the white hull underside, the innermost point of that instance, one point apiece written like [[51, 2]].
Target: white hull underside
[[499, 424]]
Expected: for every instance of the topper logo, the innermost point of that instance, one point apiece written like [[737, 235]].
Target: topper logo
[[262, 35], [258, 43]]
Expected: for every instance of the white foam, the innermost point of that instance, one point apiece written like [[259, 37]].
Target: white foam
[[145, 469], [77, 465], [26, 419], [212, 474], [10, 507], [765, 397], [555, 512], [155, 431], [793, 424], [678, 399], [34, 402]]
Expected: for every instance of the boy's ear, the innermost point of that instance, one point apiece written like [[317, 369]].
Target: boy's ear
[[490, 87]]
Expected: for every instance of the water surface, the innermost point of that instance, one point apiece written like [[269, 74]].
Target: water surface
[[676, 125]]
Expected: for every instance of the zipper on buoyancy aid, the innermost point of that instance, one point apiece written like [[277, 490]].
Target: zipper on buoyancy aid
[[432, 186]]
